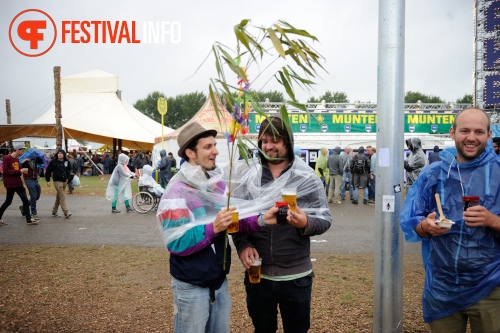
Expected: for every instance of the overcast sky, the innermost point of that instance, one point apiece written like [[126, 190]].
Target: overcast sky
[[438, 47]]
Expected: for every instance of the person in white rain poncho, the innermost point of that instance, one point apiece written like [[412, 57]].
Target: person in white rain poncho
[[119, 188], [147, 181], [415, 162]]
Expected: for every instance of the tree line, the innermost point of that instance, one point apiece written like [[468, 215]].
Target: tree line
[[183, 107]]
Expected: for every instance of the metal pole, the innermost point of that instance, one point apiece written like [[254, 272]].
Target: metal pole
[[388, 256]]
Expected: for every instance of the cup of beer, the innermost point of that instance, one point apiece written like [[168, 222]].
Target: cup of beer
[[289, 195], [235, 224], [254, 271]]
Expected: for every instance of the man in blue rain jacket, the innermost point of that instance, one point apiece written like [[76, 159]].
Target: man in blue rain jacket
[[462, 263]]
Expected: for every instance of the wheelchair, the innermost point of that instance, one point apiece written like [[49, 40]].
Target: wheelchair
[[145, 200]]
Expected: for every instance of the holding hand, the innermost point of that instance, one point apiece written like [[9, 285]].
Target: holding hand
[[430, 227], [297, 219], [248, 256], [269, 217], [479, 216], [223, 219]]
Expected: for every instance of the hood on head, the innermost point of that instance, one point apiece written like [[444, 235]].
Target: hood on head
[[337, 150], [163, 153], [123, 159], [278, 128], [147, 169], [414, 144], [61, 151], [361, 150]]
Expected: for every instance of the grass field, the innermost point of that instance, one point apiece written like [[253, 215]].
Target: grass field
[[89, 186]]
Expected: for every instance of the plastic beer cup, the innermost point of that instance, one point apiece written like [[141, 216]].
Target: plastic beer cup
[[235, 225], [254, 271], [289, 195]]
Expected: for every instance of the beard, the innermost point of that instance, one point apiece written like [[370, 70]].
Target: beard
[[276, 160]]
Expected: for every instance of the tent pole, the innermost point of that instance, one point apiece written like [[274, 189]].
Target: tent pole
[[7, 109], [57, 104]]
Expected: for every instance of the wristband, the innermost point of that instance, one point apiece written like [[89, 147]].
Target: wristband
[[261, 220]]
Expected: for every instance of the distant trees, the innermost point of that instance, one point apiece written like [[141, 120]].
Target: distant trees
[[181, 108], [149, 105], [466, 99], [415, 96], [273, 95], [330, 97]]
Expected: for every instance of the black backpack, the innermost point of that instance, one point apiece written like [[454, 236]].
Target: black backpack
[[359, 165]]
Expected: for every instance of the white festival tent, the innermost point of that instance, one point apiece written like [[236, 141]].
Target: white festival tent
[[92, 111]]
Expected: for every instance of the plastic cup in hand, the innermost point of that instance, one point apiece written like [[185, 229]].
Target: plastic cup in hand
[[254, 271], [235, 224], [289, 195]]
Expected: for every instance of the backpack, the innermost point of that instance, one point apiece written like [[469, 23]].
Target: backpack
[[359, 165]]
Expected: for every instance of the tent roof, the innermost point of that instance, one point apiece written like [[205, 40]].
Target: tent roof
[[207, 118], [92, 111]]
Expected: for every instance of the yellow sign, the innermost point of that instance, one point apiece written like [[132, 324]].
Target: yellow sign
[[162, 106]]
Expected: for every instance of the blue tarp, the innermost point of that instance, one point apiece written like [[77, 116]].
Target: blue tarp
[[33, 153]]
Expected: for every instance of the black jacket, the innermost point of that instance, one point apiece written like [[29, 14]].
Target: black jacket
[[60, 171]]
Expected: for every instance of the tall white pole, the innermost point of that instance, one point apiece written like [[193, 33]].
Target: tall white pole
[[388, 256]]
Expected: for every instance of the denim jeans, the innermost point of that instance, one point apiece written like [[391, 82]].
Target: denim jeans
[[194, 312], [356, 193], [371, 195], [345, 177], [293, 298], [35, 190]]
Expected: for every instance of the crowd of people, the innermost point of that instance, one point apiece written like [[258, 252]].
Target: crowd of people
[[64, 169]]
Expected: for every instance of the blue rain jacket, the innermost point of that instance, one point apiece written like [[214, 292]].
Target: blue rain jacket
[[463, 265]]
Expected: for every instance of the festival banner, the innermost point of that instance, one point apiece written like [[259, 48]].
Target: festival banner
[[433, 123]]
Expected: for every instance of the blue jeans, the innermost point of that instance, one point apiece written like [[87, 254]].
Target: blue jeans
[[293, 298], [345, 177], [372, 187], [35, 190], [194, 312], [356, 193]]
